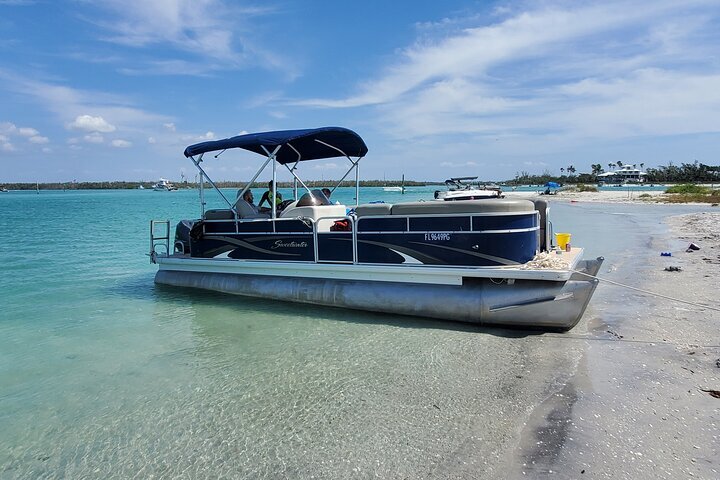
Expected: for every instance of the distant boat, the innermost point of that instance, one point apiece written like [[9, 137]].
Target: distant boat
[[3, 190], [164, 185], [140, 187], [461, 188], [400, 188]]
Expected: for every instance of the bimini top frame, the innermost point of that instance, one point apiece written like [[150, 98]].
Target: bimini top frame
[[286, 147]]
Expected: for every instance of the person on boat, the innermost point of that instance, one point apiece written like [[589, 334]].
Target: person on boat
[[268, 197], [248, 197], [326, 192]]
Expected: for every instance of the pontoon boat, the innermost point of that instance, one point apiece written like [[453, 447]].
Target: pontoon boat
[[467, 260]]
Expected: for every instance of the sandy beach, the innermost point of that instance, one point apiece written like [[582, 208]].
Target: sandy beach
[[641, 403], [621, 195]]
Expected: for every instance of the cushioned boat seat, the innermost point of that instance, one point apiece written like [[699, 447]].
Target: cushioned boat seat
[[491, 205], [245, 210], [219, 214], [373, 209]]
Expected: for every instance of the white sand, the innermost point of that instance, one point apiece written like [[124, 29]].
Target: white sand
[[638, 406], [621, 195]]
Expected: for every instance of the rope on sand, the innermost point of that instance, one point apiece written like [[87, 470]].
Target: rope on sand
[[655, 294]]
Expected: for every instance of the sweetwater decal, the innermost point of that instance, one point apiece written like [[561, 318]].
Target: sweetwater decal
[[292, 244], [436, 237]]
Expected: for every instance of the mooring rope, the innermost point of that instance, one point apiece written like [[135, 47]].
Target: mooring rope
[[648, 292]]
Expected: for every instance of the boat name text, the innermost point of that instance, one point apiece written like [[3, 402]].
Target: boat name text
[[434, 237], [292, 244]]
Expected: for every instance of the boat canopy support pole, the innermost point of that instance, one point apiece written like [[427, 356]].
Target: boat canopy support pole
[[292, 172], [271, 156], [202, 196], [297, 179]]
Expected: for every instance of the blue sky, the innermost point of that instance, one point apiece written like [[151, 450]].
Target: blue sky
[[115, 89]]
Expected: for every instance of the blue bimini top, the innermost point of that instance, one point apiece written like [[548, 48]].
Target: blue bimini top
[[307, 144]]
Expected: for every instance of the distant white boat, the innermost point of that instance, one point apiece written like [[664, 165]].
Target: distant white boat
[[397, 188], [3, 190], [164, 185], [141, 187], [460, 188]]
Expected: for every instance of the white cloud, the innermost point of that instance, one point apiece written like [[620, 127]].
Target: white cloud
[[119, 143], [198, 138], [38, 139], [551, 76], [47, 150], [217, 32], [27, 132], [459, 164], [9, 128], [7, 146], [151, 140], [91, 124], [326, 166], [94, 138], [169, 126]]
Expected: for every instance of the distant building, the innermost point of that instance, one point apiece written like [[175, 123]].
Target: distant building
[[625, 174]]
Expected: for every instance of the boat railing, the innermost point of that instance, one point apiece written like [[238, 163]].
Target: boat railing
[[159, 238]]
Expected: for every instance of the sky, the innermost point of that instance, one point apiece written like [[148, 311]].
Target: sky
[[116, 89]]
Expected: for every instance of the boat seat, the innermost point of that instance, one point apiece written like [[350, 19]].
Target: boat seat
[[492, 205], [245, 210], [543, 208], [219, 214], [316, 212], [373, 209]]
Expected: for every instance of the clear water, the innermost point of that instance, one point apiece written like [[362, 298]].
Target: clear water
[[105, 375]]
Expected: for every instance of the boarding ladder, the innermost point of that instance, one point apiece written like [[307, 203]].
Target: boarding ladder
[[159, 238]]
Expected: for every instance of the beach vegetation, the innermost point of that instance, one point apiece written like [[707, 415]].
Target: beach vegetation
[[585, 188], [690, 193], [688, 188]]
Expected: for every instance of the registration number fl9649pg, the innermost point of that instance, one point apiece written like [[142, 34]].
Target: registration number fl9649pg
[[437, 237]]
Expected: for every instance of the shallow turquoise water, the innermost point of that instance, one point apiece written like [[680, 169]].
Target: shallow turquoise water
[[103, 374]]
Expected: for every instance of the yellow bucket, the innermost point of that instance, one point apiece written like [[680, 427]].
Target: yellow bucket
[[562, 239]]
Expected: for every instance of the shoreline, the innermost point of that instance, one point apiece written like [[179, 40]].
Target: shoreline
[[635, 407], [654, 197]]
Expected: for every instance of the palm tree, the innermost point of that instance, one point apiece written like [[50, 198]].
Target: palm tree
[[642, 165], [619, 163]]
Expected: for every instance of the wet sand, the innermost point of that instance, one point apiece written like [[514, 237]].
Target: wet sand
[[635, 407]]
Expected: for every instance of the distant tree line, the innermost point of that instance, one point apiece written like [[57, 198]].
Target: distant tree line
[[695, 172], [117, 185], [685, 173]]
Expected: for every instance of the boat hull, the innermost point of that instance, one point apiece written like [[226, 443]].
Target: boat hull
[[517, 302]]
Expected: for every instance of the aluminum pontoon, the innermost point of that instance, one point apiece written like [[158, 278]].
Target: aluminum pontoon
[[462, 260]]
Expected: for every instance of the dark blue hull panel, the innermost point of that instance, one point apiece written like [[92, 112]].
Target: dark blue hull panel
[[471, 240]]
